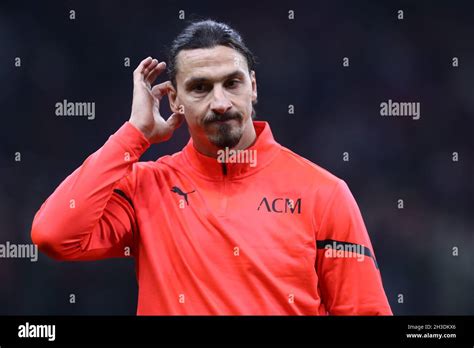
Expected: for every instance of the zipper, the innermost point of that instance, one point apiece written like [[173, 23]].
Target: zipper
[[224, 190]]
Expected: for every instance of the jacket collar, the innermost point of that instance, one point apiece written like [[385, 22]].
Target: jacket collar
[[233, 164]]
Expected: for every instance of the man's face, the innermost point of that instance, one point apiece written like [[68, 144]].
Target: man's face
[[216, 93]]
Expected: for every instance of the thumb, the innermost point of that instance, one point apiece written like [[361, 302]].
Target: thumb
[[175, 120]]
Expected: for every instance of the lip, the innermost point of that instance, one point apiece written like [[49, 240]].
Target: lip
[[222, 121]]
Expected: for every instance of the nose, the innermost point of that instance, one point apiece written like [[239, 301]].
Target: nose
[[220, 103]]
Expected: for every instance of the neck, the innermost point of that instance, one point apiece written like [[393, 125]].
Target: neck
[[248, 138]]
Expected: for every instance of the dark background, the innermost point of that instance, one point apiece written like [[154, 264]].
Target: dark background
[[337, 109]]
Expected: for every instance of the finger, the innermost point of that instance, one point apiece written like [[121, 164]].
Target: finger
[[149, 67], [139, 70], [161, 89], [157, 70], [143, 64], [152, 67], [175, 120]]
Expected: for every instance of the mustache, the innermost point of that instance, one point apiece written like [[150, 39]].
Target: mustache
[[229, 115]]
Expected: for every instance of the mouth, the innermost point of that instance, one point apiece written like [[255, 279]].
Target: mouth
[[223, 121]]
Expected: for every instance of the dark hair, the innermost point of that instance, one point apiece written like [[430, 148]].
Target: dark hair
[[207, 34]]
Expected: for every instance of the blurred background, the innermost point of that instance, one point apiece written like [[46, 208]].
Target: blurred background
[[336, 110]]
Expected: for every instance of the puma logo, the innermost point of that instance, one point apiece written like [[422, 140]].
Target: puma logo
[[178, 191]]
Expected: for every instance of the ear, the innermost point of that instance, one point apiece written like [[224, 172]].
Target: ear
[[253, 80], [173, 98]]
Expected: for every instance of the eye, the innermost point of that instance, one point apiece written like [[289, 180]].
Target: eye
[[233, 83], [199, 88]]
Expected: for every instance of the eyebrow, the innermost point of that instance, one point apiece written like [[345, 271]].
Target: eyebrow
[[197, 79]]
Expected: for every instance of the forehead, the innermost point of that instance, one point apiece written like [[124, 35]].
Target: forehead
[[209, 62]]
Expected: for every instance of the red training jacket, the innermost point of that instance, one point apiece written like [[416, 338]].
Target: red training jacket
[[277, 235]]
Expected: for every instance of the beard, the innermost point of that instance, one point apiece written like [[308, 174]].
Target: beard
[[222, 130]]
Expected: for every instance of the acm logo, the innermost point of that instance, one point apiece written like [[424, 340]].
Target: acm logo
[[281, 205]]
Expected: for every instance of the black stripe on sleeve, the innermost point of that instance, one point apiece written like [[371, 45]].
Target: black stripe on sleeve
[[322, 244], [124, 196]]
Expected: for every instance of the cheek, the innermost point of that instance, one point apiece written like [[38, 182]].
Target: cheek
[[252, 97], [187, 106], [193, 113]]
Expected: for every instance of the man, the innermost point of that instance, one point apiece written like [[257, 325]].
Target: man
[[234, 224]]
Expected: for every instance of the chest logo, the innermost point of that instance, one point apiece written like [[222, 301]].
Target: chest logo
[[180, 192], [281, 205]]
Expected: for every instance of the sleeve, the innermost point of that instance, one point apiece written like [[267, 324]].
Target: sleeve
[[349, 278], [90, 215]]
